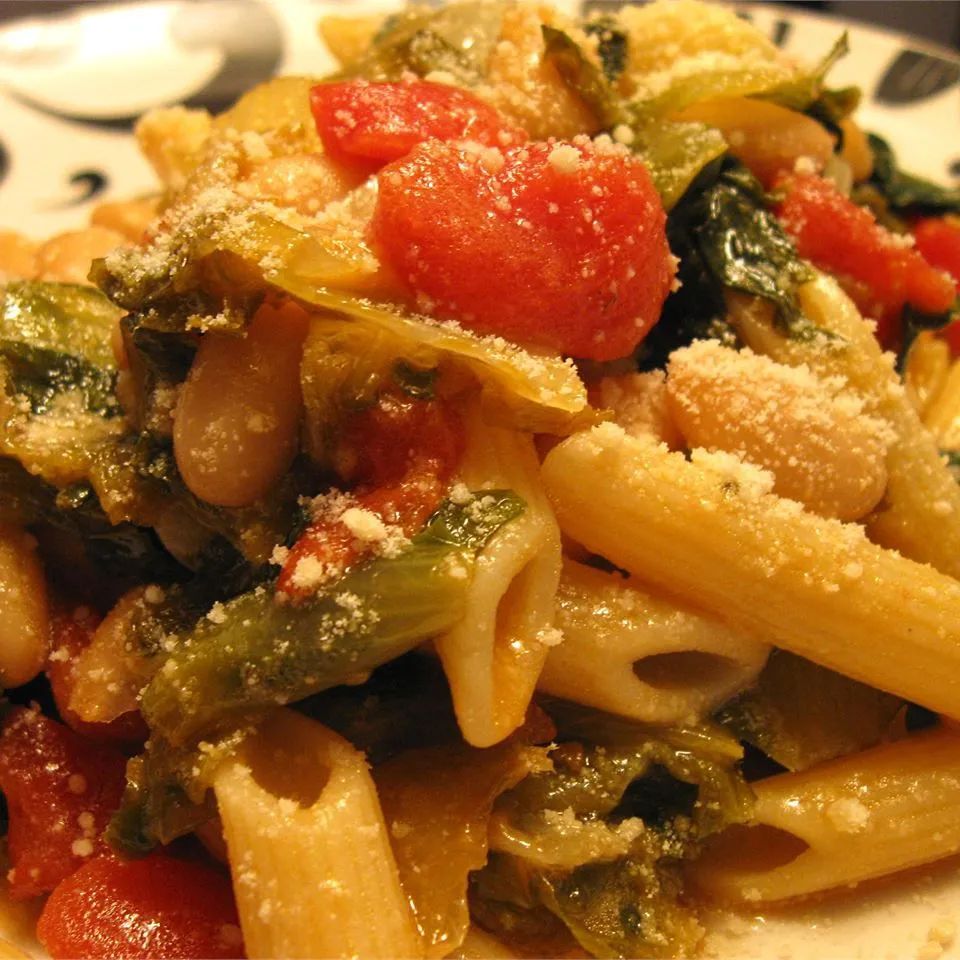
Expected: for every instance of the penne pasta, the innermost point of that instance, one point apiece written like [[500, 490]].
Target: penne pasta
[[865, 815], [312, 867], [631, 652], [928, 364], [712, 532], [942, 415], [494, 656]]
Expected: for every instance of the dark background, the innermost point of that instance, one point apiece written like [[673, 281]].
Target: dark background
[[935, 20]]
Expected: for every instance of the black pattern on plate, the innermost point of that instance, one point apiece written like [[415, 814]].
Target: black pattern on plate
[[90, 183], [249, 39], [781, 32], [4, 162], [914, 76]]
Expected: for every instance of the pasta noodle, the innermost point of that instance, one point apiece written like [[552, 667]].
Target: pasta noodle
[[636, 654], [494, 656], [712, 531], [432, 518], [313, 868], [860, 816]]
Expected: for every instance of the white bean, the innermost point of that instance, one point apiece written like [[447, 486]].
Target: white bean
[[639, 405], [127, 217], [66, 257], [237, 418], [810, 434], [24, 622], [108, 676], [18, 256]]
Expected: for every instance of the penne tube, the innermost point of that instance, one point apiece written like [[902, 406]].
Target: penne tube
[[942, 415], [480, 945], [920, 512], [630, 652], [313, 871], [865, 815], [928, 364], [494, 656], [711, 532]]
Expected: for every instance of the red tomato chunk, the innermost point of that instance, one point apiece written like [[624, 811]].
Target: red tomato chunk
[[938, 240], [156, 907], [378, 122], [401, 453], [880, 271], [555, 245], [61, 791]]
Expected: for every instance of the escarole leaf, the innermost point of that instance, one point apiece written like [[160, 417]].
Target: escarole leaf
[[904, 192], [725, 238], [582, 75], [457, 39], [808, 94], [801, 714], [613, 45], [678, 155], [256, 248], [740, 242], [125, 552], [537, 392], [57, 375], [658, 792], [254, 653], [656, 97], [258, 652]]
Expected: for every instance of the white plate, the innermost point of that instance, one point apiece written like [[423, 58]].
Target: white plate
[[71, 85]]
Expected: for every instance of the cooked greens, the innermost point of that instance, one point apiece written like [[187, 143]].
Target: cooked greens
[[659, 792], [904, 192], [254, 651], [800, 714]]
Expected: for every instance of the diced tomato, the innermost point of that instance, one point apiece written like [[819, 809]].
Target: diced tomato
[[70, 633], [374, 123], [61, 791], [554, 245], [938, 239], [401, 453], [878, 269], [157, 907]]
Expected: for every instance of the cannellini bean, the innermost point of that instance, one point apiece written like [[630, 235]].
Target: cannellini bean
[[108, 675], [172, 139], [18, 256], [128, 217], [639, 405], [768, 138], [856, 150], [66, 257], [24, 626], [306, 182], [237, 418], [811, 435]]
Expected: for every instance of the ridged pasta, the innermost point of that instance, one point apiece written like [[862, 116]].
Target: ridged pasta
[[711, 531], [313, 870], [494, 657], [629, 651], [861, 816]]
